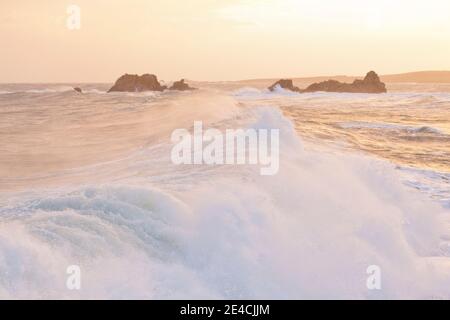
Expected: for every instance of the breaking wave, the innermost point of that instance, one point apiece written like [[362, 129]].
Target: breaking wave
[[161, 232]]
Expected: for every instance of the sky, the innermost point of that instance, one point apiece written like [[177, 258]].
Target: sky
[[220, 39]]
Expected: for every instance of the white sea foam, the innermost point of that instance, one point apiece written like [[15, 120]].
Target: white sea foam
[[309, 232], [51, 90], [250, 92], [39, 90], [96, 91]]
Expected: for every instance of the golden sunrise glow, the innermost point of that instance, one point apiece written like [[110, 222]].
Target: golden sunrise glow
[[221, 40]]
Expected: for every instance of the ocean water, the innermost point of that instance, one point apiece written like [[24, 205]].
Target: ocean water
[[86, 179]]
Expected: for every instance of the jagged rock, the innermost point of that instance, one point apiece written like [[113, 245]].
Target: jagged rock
[[370, 84], [78, 90], [285, 84], [181, 86], [136, 83]]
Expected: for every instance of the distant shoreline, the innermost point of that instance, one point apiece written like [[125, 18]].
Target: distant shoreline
[[408, 77]]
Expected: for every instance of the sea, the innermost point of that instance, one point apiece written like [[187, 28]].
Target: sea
[[87, 180]]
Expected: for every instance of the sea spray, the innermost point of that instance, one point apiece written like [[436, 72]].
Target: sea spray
[[235, 147], [140, 227]]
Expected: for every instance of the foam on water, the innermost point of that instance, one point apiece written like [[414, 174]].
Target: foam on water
[[227, 232], [249, 92], [140, 227]]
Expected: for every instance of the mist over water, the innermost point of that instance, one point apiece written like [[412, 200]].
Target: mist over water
[[86, 179]]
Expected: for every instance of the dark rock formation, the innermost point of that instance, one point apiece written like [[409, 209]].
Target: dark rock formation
[[78, 90], [181, 86], [285, 84], [135, 83], [370, 84]]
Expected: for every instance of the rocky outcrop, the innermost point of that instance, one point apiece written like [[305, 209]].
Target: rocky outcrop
[[181, 86], [370, 84], [286, 84], [136, 83], [77, 89]]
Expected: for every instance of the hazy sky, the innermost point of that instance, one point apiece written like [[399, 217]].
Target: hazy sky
[[220, 39]]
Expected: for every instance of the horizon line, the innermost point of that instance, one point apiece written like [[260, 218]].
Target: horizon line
[[239, 80]]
